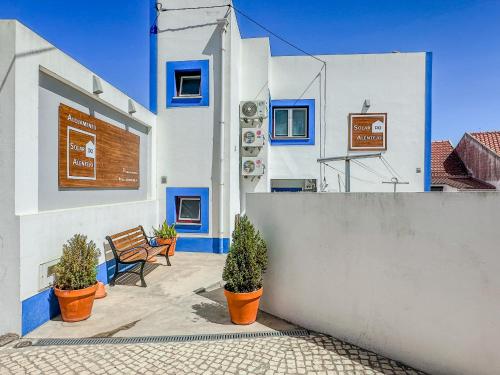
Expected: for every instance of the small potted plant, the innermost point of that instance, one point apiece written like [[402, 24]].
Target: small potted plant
[[245, 265], [166, 235], [76, 278]]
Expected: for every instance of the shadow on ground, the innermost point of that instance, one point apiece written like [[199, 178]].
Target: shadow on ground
[[132, 279], [215, 311]]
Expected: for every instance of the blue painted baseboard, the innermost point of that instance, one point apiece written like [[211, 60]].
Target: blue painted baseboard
[[43, 306], [202, 245]]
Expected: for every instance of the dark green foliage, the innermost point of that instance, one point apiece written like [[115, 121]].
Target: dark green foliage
[[77, 268], [247, 259]]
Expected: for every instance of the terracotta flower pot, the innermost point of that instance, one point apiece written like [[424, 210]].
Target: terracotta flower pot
[[167, 241], [243, 307], [77, 304], [101, 291]]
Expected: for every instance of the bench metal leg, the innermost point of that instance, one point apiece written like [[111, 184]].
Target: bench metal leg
[[166, 256], [113, 280], [143, 283]]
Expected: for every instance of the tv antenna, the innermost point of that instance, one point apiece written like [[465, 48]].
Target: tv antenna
[[395, 181]]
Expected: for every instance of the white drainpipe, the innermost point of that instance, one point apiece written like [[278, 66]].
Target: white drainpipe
[[223, 22]]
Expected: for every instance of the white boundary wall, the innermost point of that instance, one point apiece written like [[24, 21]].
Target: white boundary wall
[[32, 231], [414, 276]]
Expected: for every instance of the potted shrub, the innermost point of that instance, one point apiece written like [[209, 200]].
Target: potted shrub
[[245, 265], [166, 235], [76, 278]]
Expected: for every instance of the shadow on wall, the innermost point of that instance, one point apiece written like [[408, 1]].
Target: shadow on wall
[[187, 27], [21, 55]]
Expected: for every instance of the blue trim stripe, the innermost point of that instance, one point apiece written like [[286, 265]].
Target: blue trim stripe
[[38, 309], [153, 58], [43, 306], [310, 104], [428, 121], [188, 66], [285, 189], [202, 245], [172, 193]]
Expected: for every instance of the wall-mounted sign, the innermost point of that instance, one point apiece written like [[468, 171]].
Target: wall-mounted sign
[[94, 153], [367, 131]]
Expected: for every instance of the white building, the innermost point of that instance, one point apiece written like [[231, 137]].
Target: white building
[[317, 92], [201, 69]]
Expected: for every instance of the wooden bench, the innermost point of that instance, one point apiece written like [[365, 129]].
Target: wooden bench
[[133, 246]]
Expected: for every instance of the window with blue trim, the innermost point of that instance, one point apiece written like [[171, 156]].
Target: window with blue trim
[[188, 209], [292, 122], [187, 83]]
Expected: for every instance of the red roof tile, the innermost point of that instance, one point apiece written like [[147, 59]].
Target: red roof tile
[[445, 161], [489, 139]]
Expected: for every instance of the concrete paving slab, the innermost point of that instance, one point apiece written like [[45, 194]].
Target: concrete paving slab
[[186, 298]]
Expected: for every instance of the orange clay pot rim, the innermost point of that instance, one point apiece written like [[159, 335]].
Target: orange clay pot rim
[[255, 293], [75, 291]]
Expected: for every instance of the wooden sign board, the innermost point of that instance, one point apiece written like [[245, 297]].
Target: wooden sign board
[[367, 131], [94, 153]]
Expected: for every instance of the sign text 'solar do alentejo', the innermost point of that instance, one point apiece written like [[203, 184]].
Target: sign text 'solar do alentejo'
[[95, 154], [367, 131]]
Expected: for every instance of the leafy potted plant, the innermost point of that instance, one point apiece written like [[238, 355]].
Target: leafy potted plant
[[76, 278], [166, 235], [245, 265]]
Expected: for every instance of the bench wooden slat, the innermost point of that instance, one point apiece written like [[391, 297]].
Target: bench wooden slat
[[125, 232], [132, 246], [128, 242]]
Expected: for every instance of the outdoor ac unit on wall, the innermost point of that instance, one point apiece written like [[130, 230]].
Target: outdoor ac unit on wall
[[252, 137], [252, 166], [253, 110]]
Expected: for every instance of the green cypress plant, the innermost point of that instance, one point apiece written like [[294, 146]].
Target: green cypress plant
[[247, 258], [77, 268]]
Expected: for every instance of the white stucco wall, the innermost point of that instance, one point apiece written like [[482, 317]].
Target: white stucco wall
[[409, 276], [28, 236], [10, 305], [44, 234], [394, 83], [52, 94], [255, 77], [189, 137]]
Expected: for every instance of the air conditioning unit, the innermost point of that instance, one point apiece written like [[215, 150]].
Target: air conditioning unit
[[252, 137], [253, 109], [310, 185], [252, 166]]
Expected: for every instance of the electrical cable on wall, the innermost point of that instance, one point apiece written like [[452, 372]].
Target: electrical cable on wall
[[369, 169], [323, 86], [390, 168], [355, 178]]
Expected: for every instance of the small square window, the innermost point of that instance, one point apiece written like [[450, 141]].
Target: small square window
[[290, 123], [188, 84], [188, 210]]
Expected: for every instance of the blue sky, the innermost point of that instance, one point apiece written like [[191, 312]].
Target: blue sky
[[111, 38]]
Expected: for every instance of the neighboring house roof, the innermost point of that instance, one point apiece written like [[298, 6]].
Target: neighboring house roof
[[445, 161], [462, 183], [448, 169], [489, 139]]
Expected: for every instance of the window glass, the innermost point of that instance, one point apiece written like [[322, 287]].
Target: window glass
[[190, 86], [189, 209], [299, 119], [281, 122]]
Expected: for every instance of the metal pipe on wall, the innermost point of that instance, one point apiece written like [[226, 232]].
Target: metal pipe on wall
[[223, 23]]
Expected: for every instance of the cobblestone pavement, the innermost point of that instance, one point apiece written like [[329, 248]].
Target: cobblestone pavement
[[313, 354]]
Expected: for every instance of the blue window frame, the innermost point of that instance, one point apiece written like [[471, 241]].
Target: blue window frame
[[187, 208], [292, 122], [188, 83]]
